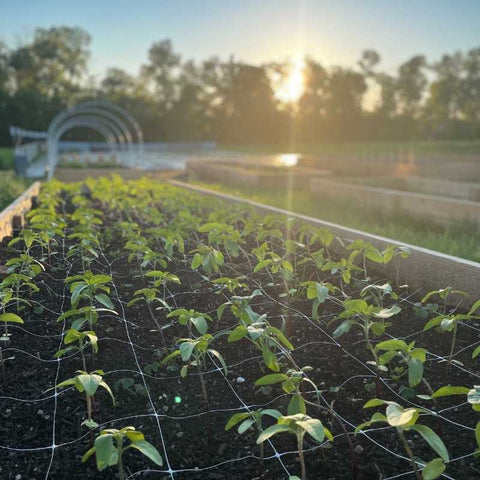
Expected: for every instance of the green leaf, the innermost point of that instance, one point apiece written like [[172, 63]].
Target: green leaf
[[475, 307], [135, 436], [448, 324], [200, 324], [271, 379], [314, 428], [344, 327], [446, 391], [397, 416], [433, 469], [148, 450], [245, 425], [76, 292], [271, 431], [91, 424], [356, 306], [378, 328], [88, 454], [171, 356], [271, 412], [388, 312], [415, 372], [376, 417], [473, 395], [476, 352], [270, 359], [374, 402], [433, 440], [397, 345], [238, 333], [434, 322], [104, 300], [89, 382], [374, 255], [296, 405], [220, 358], [262, 264], [105, 452], [236, 418], [10, 317], [186, 350], [197, 261]]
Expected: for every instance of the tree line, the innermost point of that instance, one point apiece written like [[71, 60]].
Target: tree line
[[234, 102]]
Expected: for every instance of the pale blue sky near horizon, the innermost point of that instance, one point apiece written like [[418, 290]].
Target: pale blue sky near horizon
[[333, 32]]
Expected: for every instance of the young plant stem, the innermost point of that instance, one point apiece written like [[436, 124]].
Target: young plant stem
[[347, 436], [204, 387], [409, 453], [89, 408], [452, 347], [300, 456], [84, 362], [121, 471], [157, 324], [367, 340]]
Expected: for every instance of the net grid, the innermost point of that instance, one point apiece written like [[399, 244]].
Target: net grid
[[431, 357]]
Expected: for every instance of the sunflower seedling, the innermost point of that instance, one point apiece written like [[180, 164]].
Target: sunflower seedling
[[405, 420], [87, 383], [80, 340], [192, 318], [249, 419], [6, 318], [109, 448], [449, 322], [193, 353], [298, 425], [368, 318]]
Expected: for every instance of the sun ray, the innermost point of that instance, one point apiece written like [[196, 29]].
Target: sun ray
[[291, 89]]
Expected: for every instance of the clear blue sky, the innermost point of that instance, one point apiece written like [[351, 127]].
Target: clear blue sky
[[333, 32]]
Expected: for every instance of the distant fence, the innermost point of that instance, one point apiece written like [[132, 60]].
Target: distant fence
[[25, 154], [148, 146]]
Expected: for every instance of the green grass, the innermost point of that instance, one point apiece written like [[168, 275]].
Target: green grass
[[10, 188], [362, 148], [6, 158], [461, 240]]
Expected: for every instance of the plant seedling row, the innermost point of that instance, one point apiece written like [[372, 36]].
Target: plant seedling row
[[151, 332]]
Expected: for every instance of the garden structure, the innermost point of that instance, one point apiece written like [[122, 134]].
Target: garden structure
[[149, 331]]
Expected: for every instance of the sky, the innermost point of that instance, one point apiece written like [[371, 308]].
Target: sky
[[333, 32]]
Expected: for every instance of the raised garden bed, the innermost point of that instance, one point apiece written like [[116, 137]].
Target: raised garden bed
[[413, 184], [122, 232], [441, 210], [259, 174]]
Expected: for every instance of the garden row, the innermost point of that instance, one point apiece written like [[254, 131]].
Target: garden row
[[151, 332]]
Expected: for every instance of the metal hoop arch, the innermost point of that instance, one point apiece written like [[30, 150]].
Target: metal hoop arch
[[113, 122]]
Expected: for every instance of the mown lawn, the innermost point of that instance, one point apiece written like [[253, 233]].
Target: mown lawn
[[462, 240], [11, 187], [6, 158]]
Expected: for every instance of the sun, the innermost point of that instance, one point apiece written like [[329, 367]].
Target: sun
[[291, 89]]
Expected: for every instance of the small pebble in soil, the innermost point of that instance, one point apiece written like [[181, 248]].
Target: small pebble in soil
[[18, 477], [221, 449], [240, 380], [179, 434], [358, 449]]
